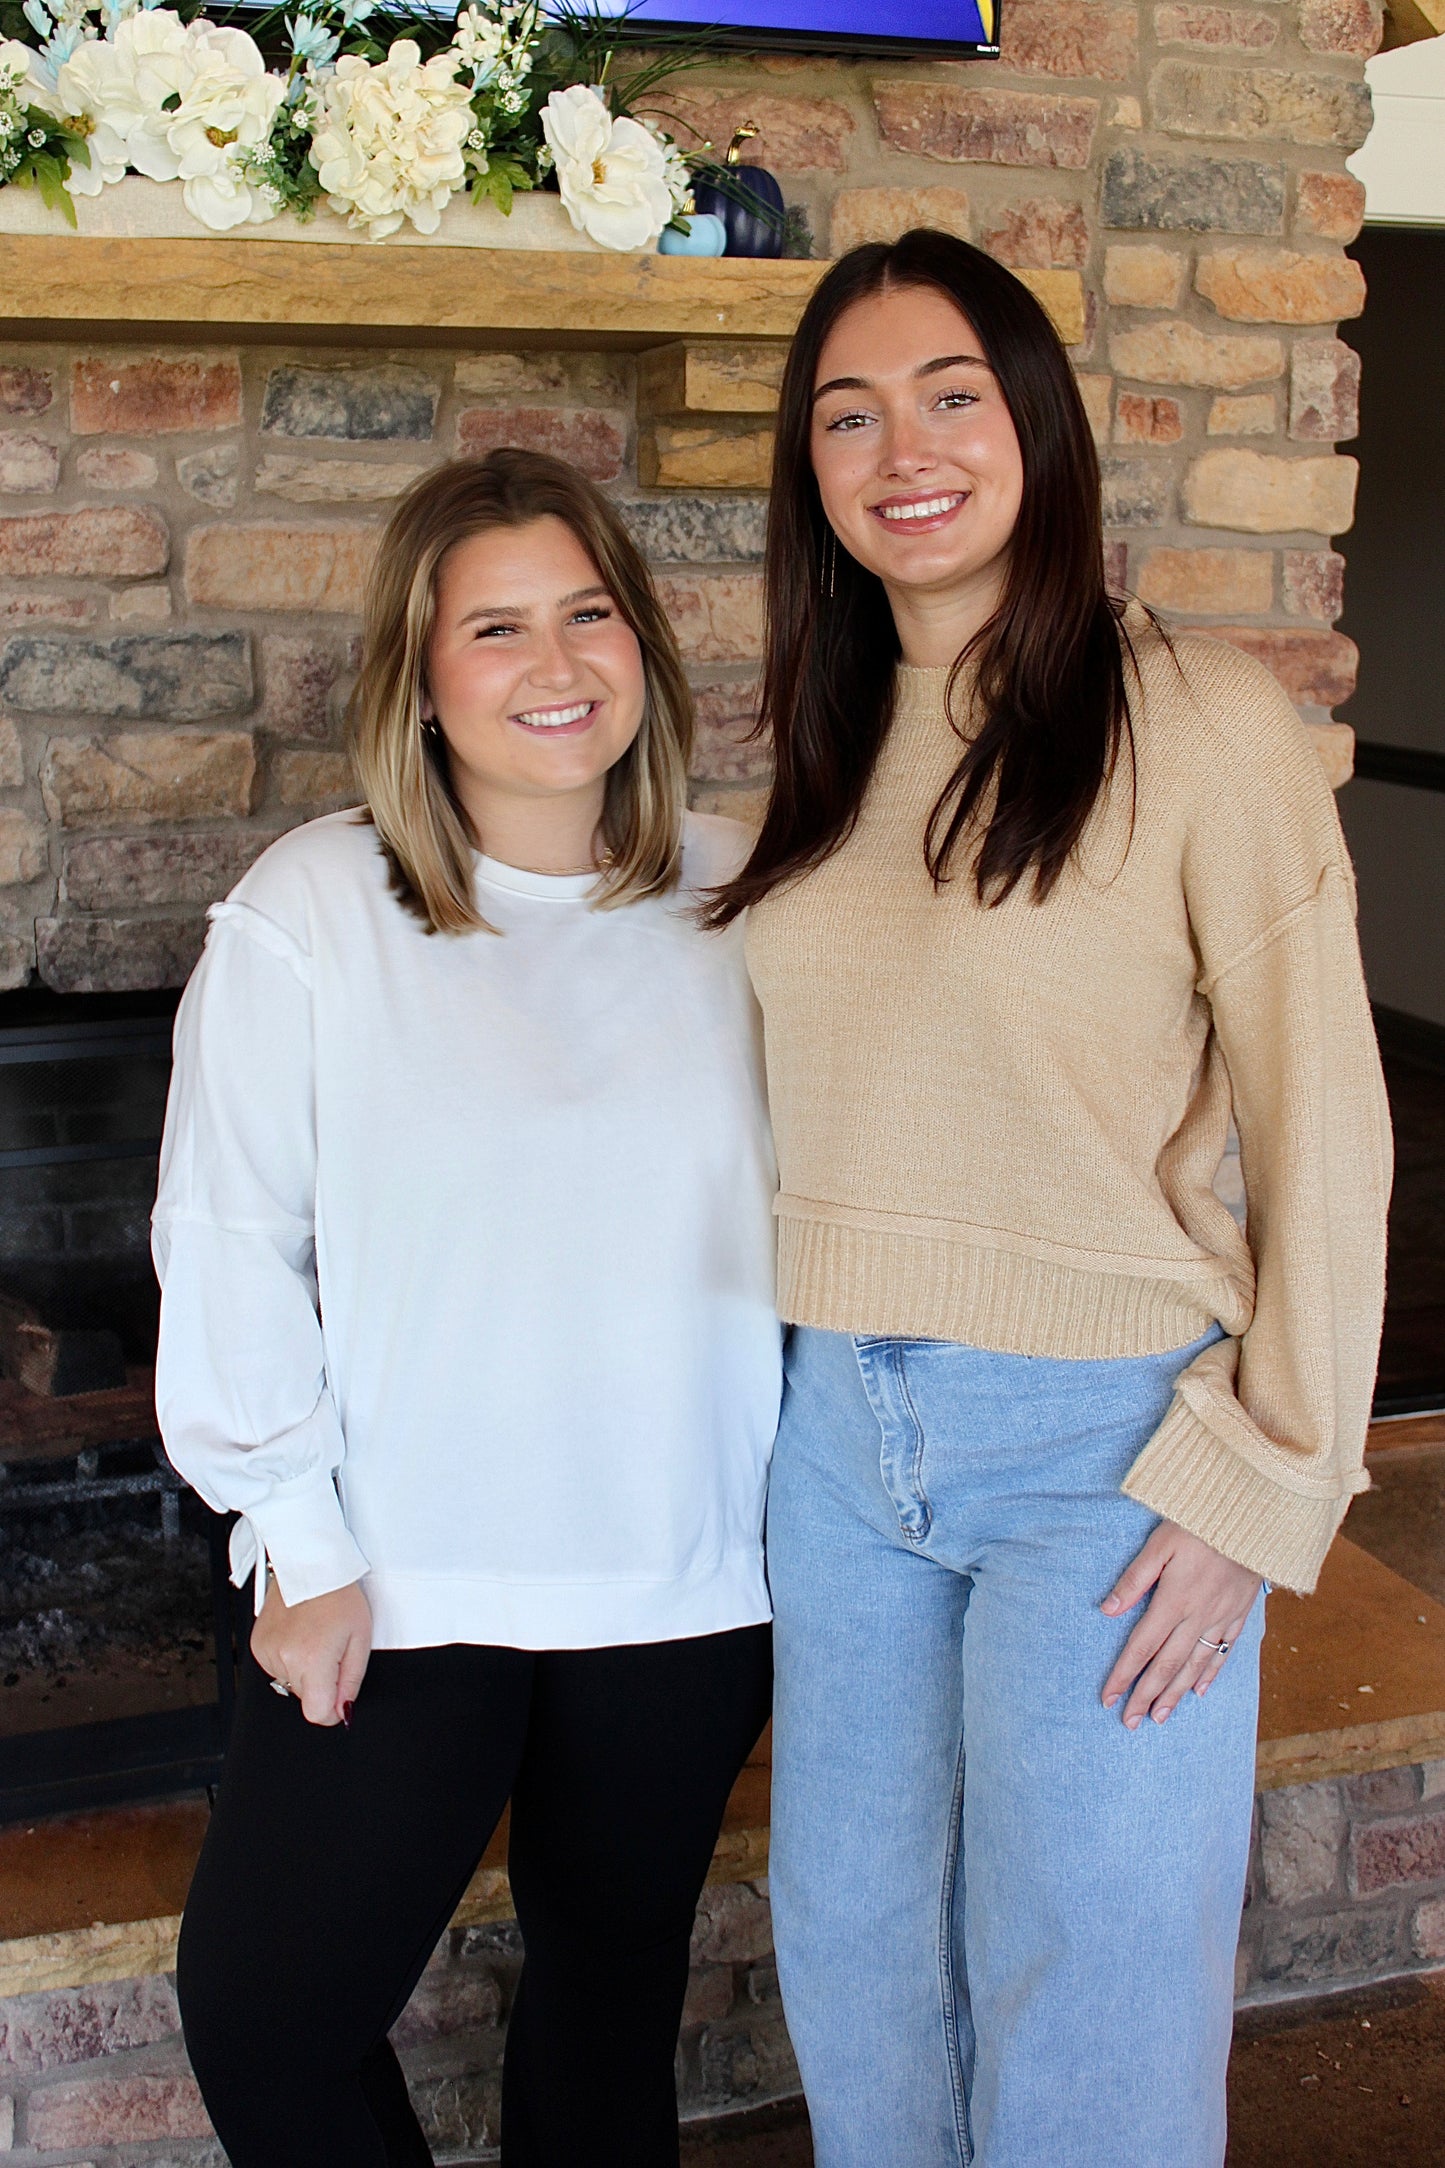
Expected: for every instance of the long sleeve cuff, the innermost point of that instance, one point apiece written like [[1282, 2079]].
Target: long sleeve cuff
[[1277, 1520], [302, 1530]]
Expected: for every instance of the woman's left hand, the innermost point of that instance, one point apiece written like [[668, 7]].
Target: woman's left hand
[[1200, 1596]]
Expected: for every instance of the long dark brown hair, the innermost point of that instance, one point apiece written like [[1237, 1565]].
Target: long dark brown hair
[[1052, 702]]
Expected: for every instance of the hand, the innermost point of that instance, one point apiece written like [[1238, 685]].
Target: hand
[[1200, 1596], [319, 1649]]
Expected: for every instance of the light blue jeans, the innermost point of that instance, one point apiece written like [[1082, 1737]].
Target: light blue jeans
[[1005, 1925]]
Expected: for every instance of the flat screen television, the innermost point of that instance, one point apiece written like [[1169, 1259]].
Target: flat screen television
[[921, 28]]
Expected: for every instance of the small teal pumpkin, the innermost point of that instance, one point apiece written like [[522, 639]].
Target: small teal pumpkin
[[706, 236]]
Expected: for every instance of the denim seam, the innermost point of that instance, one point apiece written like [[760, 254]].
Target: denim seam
[[947, 1983], [915, 1471]]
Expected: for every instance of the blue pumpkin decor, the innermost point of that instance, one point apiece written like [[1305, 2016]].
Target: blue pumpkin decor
[[706, 236], [746, 198]]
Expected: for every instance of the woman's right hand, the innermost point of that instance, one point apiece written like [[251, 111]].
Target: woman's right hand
[[318, 1649]]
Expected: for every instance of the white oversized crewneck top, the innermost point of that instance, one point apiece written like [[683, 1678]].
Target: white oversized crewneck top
[[466, 1250]]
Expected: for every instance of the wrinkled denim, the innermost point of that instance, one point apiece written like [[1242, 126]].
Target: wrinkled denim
[[1005, 1925]]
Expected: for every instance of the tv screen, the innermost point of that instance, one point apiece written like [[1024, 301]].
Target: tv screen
[[921, 27]]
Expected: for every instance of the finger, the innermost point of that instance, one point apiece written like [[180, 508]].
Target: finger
[[1139, 1576], [265, 1651], [1167, 1665], [1185, 1679], [316, 1690], [1216, 1663], [1142, 1646], [355, 1658]]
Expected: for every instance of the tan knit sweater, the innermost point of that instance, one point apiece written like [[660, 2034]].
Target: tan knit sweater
[[1002, 1126]]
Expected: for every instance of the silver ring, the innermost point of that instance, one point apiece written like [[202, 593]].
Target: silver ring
[[279, 1686], [1220, 1648]]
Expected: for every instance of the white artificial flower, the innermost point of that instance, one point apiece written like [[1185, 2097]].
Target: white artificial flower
[[612, 173], [479, 39], [94, 89], [389, 138]]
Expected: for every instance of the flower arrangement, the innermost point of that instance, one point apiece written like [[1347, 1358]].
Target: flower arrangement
[[381, 133]]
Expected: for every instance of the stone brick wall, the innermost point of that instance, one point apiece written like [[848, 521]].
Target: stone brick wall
[[1346, 1886], [184, 534]]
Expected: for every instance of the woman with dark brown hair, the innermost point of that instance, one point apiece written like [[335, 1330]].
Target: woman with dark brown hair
[[466, 1257], [1041, 898]]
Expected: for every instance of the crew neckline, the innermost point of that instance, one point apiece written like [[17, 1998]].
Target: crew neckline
[[548, 887]]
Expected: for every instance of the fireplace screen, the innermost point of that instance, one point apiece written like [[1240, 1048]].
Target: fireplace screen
[[113, 1599]]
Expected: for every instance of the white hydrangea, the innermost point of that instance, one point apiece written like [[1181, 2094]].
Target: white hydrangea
[[613, 174], [389, 138]]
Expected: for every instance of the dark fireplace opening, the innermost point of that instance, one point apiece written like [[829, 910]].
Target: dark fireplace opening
[[113, 1598]]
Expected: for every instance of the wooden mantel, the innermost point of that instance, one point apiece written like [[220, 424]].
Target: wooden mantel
[[69, 286]]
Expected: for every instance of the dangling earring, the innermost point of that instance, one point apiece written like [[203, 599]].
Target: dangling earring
[[828, 568]]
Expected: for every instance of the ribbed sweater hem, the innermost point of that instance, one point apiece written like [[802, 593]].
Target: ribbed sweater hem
[[847, 1278], [1189, 1475]]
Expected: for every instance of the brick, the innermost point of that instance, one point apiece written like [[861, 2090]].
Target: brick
[[141, 605], [1224, 29], [1341, 26], [29, 466], [1061, 294], [723, 751], [882, 214], [596, 442], [1071, 37], [171, 677], [23, 848], [1393, 1854], [716, 616], [445, 2003], [24, 391], [381, 403], [212, 476], [709, 1994], [1192, 195], [1427, 1930], [697, 530], [1432, 1779], [1136, 492], [461, 2117], [110, 873], [734, 1926], [1329, 204], [1279, 286], [1142, 420], [1207, 582], [1261, 494], [1339, 1946], [160, 395], [1382, 1791], [1324, 391], [238, 566], [986, 127], [746, 2056], [141, 777], [732, 801], [74, 2025], [795, 135], [683, 455], [1143, 278], [32, 609], [112, 466], [1300, 1839], [334, 481], [17, 961], [1038, 234], [1251, 414], [1316, 668], [1190, 98], [1314, 583], [12, 756], [1335, 744], [116, 2111], [316, 781], [688, 378], [96, 541], [1180, 353], [600, 379], [299, 675], [1096, 391]]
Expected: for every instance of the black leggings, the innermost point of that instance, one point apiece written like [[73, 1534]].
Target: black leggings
[[335, 1859]]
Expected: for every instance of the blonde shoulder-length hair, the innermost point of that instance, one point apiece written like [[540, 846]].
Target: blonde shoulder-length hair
[[402, 762]]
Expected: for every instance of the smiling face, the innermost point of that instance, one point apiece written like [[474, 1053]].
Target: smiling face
[[917, 459], [536, 682]]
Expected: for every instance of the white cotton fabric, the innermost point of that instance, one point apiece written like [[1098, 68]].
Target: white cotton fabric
[[466, 1251]]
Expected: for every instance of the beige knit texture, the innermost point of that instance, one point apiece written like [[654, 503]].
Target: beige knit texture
[[1002, 1126]]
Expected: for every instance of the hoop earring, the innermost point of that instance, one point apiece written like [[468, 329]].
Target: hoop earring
[[828, 566]]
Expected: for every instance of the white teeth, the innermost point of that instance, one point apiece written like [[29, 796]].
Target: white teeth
[[554, 718], [929, 509]]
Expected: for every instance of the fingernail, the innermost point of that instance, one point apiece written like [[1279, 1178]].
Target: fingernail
[[346, 1709], [1110, 1603], [1111, 1701], [1131, 1723], [1162, 1716], [1202, 1688]]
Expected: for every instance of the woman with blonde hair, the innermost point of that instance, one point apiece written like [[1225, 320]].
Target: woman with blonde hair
[[465, 1246]]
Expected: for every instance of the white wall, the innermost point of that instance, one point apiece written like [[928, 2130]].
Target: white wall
[[1402, 163]]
